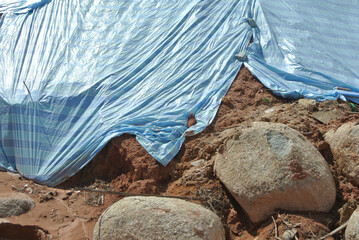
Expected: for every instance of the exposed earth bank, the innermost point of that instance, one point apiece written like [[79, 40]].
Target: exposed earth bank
[[123, 165]]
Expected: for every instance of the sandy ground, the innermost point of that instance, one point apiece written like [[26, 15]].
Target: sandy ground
[[123, 165]]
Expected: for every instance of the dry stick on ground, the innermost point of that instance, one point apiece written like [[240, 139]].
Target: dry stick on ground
[[312, 233], [126, 194], [210, 204], [289, 224], [335, 231], [275, 229]]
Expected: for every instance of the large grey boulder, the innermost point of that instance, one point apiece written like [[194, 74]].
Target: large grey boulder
[[15, 205], [352, 230], [271, 166], [344, 143], [150, 218]]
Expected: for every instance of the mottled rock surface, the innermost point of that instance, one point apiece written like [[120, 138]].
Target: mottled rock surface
[[270, 166], [15, 205], [352, 230], [143, 218], [344, 143]]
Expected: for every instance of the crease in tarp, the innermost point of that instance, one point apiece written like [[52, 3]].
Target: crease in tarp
[[20, 6]]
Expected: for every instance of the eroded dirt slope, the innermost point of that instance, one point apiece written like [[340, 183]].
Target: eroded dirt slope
[[123, 165]]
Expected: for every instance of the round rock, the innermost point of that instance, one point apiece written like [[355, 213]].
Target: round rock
[[352, 230], [344, 144], [143, 218], [270, 166], [15, 205]]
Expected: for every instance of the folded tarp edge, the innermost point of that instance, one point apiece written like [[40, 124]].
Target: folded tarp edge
[[20, 6]]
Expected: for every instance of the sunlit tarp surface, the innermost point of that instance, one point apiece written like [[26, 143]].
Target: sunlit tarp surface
[[74, 74], [307, 48]]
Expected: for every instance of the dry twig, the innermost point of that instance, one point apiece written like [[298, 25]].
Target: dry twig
[[335, 231], [125, 194], [276, 229]]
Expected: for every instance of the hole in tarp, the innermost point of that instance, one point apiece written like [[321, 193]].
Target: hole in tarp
[[9, 231]]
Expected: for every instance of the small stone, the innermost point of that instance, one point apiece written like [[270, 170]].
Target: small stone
[[210, 149], [241, 56], [45, 198], [270, 110], [325, 116], [265, 119], [309, 104], [198, 163], [252, 23], [65, 198], [226, 101], [29, 190], [221, 149], [289, 234], [69, 193], [15, 205]]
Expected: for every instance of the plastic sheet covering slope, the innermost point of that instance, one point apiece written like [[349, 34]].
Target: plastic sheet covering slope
[[307, 48], [74, 74]]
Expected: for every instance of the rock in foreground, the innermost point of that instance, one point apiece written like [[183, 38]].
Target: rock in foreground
[[344, 143], [143, 218], [352, 230], [271, 166], [15, 205]]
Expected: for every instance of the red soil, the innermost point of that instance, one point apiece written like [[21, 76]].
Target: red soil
[[123, 165]]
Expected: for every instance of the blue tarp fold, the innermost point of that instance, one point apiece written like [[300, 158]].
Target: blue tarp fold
[[20, 6]]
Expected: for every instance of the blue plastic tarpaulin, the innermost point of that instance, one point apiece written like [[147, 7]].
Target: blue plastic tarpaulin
[[76, 73], [307, 48]]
